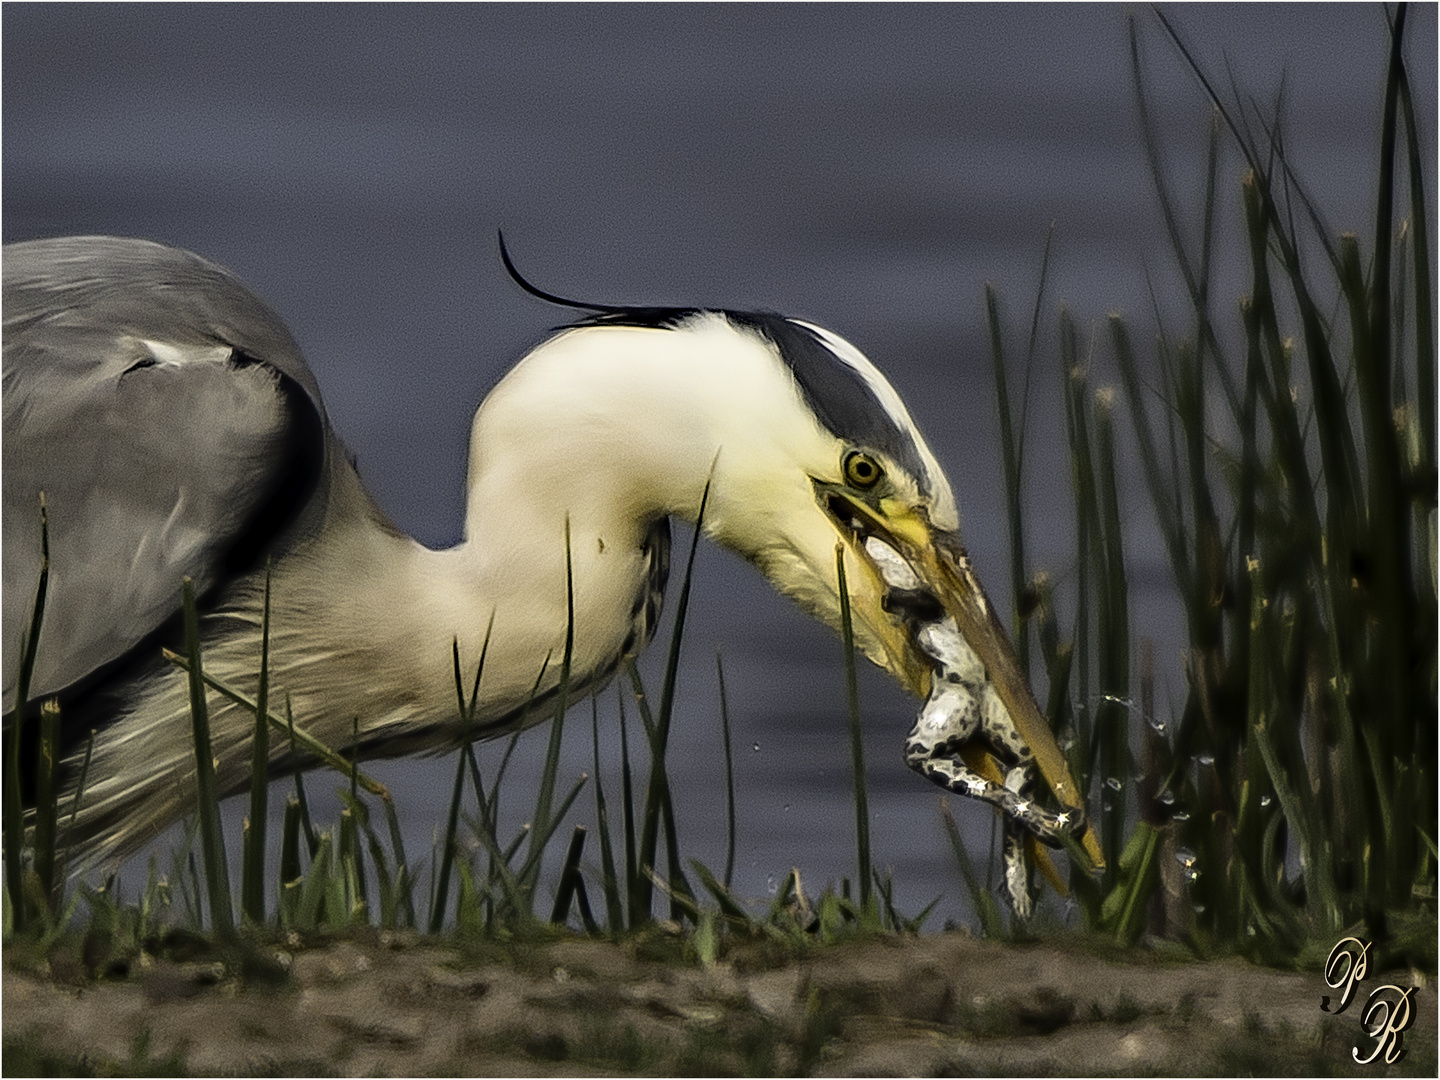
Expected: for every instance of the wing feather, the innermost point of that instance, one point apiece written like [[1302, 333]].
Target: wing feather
[[174, 427]]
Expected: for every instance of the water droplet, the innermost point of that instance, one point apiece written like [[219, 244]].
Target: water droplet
[[1184, 856], [1191, 874], [770, 886], [1265, 800], [1167, 797], [1112, 783], [1205, 759], [756, 747], [787, 807], [1180, 815], [1157, 725], [1108, 807], [1199, 909]]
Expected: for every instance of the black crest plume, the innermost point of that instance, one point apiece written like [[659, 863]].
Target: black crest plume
[[549, 297], [601, 314]]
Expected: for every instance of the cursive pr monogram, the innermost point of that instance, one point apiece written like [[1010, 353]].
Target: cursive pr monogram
[[1387, 1015], [1388, 1012], [1349, 963]]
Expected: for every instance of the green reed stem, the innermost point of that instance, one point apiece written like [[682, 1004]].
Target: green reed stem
[[542, 818], [610, 881], [14, 810], [863, 869], [47, 799], [252, 879], [657, 789], [212, 840], [729, 772]]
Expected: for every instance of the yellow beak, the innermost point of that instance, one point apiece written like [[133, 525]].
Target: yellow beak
[[944, 570]]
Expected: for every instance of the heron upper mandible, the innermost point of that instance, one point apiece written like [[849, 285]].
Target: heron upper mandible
[[175, 429]]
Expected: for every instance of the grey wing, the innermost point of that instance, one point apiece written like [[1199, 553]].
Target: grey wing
[[172, 424]]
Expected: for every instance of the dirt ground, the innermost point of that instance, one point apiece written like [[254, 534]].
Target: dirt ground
[[944, 1004]]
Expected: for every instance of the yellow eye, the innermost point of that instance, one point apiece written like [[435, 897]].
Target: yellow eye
[[861, 470]]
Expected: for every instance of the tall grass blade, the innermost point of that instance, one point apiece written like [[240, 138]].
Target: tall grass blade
[[679, 883], [982, 899], [1196, 273], [1424, 302], [14, 810], [188, 875], [627, 806], [1124, 910], [390, 885], [452, 818], [530, 869], [1389, 511], [657, 788], [77, 800], [290, 868], [582, 904], [569, 877], [47, 799], [1161, 484], [610, 883], [299, 737], [729, 772], [1087, 533], [864, 869], [252, 879], [499, 873], [490, 808], [542, 818], [404, 875], [1113, 715], [212, 840], [1010, 458], [312, 841], [316, 886], [733, 911], [682, 905], [352, 862]]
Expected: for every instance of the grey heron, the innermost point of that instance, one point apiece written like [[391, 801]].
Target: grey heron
[[175, 429]]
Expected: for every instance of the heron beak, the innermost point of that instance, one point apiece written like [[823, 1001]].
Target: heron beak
[[945, 584]]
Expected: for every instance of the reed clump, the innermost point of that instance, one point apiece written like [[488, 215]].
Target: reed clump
[[1288, 449]]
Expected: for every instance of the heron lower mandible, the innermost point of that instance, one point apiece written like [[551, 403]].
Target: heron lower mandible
[[175, 429]]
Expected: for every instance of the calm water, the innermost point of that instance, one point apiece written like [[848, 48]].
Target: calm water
[[865, 167]]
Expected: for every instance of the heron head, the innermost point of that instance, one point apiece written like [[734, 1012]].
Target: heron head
[[831, 467], [805, 451]]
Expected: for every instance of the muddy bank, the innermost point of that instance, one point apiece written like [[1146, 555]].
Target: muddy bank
[[945, 1004]]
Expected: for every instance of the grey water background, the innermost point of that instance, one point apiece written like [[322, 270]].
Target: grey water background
[[866, 167]]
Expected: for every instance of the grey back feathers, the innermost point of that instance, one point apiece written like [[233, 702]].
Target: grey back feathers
[[174, 427]]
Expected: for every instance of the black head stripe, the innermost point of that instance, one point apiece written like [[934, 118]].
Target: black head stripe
[[838, 394]]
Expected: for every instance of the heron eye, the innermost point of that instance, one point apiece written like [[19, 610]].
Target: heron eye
[[861, 470]]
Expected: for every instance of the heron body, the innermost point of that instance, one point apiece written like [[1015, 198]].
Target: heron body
[[175, 429]]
